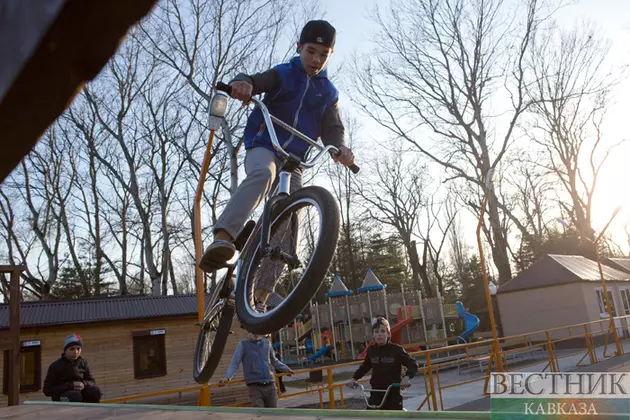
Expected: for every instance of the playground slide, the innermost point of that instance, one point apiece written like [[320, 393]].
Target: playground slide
[[319, 353], [397, 328], [306, 334], [471, 323]]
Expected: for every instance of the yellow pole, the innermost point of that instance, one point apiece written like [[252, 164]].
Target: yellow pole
[[197, 215], [619, 349], [204, 397], [331, 389], [495, 339]]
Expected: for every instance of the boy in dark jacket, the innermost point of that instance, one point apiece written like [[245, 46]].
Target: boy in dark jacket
[[386, 360], [300, 94], [69, 377]]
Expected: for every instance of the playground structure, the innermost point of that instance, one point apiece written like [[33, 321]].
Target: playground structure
[[341, 329]]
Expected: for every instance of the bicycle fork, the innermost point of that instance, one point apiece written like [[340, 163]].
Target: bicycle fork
[[276, 253]]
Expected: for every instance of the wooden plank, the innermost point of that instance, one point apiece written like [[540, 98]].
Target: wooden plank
[[11, 268], [59, 411]]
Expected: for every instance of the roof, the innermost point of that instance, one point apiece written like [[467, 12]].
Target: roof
[[338, 288], [554, 270], [621, 264], [107, 309], [371, 283]]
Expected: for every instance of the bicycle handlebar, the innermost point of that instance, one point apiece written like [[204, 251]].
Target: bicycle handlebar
[[386, 391], [270, 119]]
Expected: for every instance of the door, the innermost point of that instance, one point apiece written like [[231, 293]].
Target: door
[[625, 302], [603, 313]]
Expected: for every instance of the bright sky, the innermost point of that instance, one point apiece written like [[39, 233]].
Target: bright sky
[[355, 30]]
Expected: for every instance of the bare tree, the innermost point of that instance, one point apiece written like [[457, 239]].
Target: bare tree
[[459, 251], [570, 96], [42, 190], [114, 110], [342, 181], [434, 241], [529, 205], [204, 41], [83, 125], [438, 66], [395, 198]]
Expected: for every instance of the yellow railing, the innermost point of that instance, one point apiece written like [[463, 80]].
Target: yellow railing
[[479, 353]]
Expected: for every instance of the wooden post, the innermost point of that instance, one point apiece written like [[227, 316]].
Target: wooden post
[[14, 333]]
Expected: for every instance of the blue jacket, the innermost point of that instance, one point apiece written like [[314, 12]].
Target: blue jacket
[[297, 99], [257, 358]]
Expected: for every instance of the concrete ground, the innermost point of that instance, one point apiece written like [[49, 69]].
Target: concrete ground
[[467, 397]]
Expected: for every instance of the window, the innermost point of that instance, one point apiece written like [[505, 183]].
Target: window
[[30, 367], [602, 303], [149, 354]]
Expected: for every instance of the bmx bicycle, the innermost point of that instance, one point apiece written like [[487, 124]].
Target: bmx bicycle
[[275, 247], [365, 392]]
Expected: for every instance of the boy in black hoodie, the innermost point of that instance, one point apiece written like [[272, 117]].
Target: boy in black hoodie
[[386, 360], [69, 378]]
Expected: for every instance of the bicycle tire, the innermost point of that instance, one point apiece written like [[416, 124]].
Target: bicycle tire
[[314, 273], [202, 372]]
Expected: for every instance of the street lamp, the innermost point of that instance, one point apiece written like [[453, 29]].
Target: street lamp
[[493, 289], [495, 338], [607, 303], [216, 110]]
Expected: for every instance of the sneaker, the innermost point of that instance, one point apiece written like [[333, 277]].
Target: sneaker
[[217, 255]]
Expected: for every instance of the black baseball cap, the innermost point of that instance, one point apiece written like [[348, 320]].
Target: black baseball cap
[[318, 32]]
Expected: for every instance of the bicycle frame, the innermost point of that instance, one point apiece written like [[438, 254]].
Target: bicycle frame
[[282, 187]]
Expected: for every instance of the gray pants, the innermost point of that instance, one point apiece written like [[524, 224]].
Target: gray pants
[[263, 396], [262, 167]]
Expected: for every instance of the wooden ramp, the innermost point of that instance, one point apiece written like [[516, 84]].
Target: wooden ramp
[[45, 410]]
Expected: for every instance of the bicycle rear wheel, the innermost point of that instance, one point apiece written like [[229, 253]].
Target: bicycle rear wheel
[[304, 235], [213, 332]]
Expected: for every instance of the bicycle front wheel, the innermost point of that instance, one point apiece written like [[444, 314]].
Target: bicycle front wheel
[[303, 240]]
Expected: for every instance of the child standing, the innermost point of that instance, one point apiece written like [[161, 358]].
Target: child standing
[[258, 358], [386, 360]]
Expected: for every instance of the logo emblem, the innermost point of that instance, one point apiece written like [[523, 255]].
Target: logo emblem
[[320, 39]]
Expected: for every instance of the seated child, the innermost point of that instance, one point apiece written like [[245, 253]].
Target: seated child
[[69, 378], [386, 360]]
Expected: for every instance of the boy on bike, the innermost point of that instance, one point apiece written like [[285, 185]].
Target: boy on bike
[[300, 94], [386, 360]]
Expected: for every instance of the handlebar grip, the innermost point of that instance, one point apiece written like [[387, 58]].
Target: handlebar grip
[[354, 168], [223, 87]]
